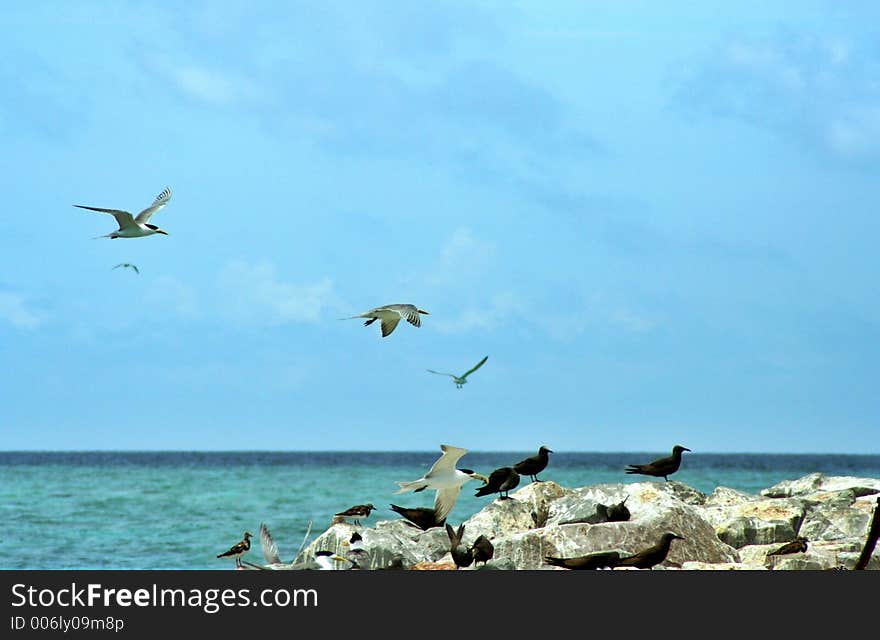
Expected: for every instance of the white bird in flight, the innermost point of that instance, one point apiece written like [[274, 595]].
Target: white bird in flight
[[462, 379], [390, 315], [445, 479], [135, 226]]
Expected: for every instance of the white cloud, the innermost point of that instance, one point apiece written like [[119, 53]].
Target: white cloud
[[501, 308], [14, 311], [462, 257], [254, 292], [169, 293]]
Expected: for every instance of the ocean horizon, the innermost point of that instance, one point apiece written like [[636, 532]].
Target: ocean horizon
[[179, 509]]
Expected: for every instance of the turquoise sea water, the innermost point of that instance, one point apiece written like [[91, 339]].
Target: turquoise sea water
[[178, 510]]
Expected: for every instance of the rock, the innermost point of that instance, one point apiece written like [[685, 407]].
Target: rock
[[751, 522], [819, 482], [727, 530]]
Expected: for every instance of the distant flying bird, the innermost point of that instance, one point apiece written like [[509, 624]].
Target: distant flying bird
[[618, 512], [462, 379], [128, 265], [798, 545], [238, 549], [482, 550], [652, 555], [661, 467], [501, 481], [390, 315], [356, 513], [592, 561], [422, 517], [445, 479], [534, 465], [135, 226], [461, 555]]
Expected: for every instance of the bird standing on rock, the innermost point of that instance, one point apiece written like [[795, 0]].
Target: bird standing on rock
[[652, 555], [238, 549], [501, 481], [461, 555], [482, 550], [661, 467], [534, 465], [592, 561]]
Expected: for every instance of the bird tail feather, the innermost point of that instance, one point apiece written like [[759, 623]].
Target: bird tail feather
[[415, 485]]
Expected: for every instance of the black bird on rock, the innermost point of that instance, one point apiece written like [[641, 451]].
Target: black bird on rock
[[501, 481], [422, 517], [652, 555], [482, 550], [461, 556], [798, 545], [600, 560], [661, 467], [618, 512], [534, 465]]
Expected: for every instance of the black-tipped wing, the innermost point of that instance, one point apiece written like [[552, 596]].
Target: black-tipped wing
[[267, 544], [475, 367], [160, 201]]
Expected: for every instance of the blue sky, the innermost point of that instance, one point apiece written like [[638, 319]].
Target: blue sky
[[659, 222]]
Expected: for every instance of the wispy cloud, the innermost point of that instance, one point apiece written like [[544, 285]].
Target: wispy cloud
[[254, 292], [462, 256], [820, 90], [14, 311], [499, 309], [171, 294]]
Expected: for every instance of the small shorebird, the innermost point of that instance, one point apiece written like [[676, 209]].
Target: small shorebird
[[534, 465], [592, 561], [390, 315], [501, 481], [128, 265], [461, 555], [445, 479], [238, 549], [462, 379], [355, 513], [661, 467], [134, 226], [482, 550], [652, 555], [422, 517]]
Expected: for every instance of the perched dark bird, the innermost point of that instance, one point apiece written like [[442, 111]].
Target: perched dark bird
[[482, 550], [661, 467], [422, 517], [598, 560], [461, 555], [652, 555], [798, 545], [238, 549], [501, 481], [618, 512], [534, 465], [356, 513]]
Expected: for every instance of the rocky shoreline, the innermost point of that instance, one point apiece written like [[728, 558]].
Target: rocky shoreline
[[726, 529]]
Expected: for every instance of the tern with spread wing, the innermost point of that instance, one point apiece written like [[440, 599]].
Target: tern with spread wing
[[462, 379], [135, 226], [128, 265], [445, 479], [391, 315]]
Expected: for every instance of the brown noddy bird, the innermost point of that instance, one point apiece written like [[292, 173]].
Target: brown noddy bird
[[501, 481], [661, 467], [652, 555], [422, 517], [461, 556], [534, 465], [598, 560], [798, 545], [482, 550]]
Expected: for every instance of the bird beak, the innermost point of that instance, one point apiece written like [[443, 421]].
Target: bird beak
[[685, 448], [164, 233], [425, 312], [480, 476]]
